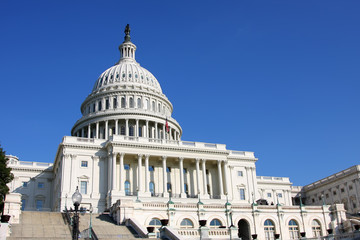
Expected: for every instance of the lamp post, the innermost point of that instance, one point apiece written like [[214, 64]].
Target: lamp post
[[90, 227], [76, 198]]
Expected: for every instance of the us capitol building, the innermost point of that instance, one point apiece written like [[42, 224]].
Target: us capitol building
[[126, 156]]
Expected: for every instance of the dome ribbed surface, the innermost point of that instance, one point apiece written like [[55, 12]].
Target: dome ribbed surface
[[127, 72]]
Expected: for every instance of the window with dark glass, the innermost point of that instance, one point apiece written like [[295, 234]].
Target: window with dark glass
[[127, 166], [99, 106], [127, 188], [168, 169], [131, 131], [122, 130], [115, 102], [107, 103], [151, 168], [84, 163]]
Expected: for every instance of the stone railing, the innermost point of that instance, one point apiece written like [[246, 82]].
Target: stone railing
[[274, 179]]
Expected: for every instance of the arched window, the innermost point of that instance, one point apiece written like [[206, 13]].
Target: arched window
[[139, 105], [294, 229], [131, 131], [147, 104], [186, 223], [156, 224], [122, 130], [153, 106], [215, 223], [123, 102], [127, 188], [316, 228], [159, 107], [131, 102], [152, 188], [269, 229]]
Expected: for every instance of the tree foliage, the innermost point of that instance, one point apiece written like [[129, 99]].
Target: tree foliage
[[5, 175]]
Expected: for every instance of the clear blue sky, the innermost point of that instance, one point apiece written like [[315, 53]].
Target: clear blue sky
[[280, 78]]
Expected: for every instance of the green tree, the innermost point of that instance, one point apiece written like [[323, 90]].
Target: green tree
[[5, 176]]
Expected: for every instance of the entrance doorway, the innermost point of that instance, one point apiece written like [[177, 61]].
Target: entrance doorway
[[244, 230]]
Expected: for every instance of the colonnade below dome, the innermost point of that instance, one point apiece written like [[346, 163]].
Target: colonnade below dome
[[128, 127], [149, 178]]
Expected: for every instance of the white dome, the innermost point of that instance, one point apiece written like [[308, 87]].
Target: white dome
[[127, 72]]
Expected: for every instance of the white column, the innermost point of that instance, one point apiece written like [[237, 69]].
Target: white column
[[126, 127], [147, 175], [89, 129], [164, 132], [116, 127], [198, 175], [227, 189], [97, 130], [106, 129], [113, 184], [181, 167], [95, 177], [156, 131], [109, 165], [137, 128], [140, 182], [204, 176], [220, 178], [164, 176], [122, 172], [147, 129]]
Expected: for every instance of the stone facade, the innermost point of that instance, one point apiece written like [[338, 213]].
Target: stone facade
[[126, 155]]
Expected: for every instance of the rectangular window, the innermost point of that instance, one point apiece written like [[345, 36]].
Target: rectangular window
[[342, 190], [83, 187], [240, 173], [126, 166], [151, 168], [242, 194], [334, 192], [23, 204], [140, 131], [99, 107], [107, 104], [24, 184], [39, 205], [280, 195], [313, 200], [84, 163], [184, 170], [269, 195], [350, 187], [41, 185], [115, 103], [93, 109]]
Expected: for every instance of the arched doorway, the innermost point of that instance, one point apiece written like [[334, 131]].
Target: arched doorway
[[244, 230]]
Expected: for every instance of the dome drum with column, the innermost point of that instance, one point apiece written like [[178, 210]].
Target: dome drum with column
[[127, 100]]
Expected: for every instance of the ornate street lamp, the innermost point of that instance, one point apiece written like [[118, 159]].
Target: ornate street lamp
[[76, 198]]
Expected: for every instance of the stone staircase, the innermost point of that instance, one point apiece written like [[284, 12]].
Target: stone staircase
[[105, 227], [53, 226], [40, 225]]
